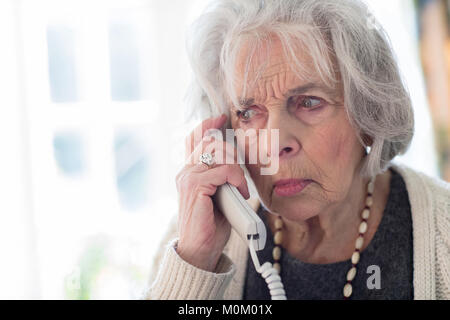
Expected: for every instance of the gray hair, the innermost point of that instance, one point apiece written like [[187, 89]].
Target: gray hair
[[347, 47]]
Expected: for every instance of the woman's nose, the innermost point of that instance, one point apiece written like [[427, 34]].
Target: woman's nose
[[288, 144]]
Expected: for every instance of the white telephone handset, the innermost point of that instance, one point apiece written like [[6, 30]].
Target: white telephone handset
[[240, 215], [251, 229]]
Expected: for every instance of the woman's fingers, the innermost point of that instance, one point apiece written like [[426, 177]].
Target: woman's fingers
[[196, 136], [211, 178], [231, 173], [222, 151]]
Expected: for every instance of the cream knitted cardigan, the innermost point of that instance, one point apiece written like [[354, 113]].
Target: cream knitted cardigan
[[430, 209]]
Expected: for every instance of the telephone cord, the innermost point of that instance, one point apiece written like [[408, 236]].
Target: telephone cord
[[270, 275]]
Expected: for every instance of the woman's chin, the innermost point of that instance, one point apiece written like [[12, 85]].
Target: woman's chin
[[298, 208]]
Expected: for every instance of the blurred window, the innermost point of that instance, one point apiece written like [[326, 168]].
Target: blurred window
[[132, 169], [69, 152], [124, 62], [94, 87], [62, 64]]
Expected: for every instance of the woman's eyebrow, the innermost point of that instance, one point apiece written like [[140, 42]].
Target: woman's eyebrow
[[307, 87], [247, 102]]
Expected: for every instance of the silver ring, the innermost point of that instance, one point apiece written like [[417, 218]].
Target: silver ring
[[207, 158]]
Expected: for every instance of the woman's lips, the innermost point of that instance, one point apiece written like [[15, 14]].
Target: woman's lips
[[289, 187]]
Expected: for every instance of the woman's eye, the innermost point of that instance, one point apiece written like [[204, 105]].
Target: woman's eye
[[246, 114], [309, 102]]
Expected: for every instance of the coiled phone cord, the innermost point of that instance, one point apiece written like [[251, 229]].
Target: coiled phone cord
[[270, 275]]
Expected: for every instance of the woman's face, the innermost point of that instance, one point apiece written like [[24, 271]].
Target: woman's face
[[316, 141]]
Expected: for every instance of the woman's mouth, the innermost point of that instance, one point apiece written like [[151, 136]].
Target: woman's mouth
[[289, 187]]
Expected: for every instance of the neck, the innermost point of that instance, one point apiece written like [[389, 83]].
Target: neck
[[330, 235]]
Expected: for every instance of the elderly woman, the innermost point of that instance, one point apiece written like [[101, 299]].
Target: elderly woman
[[342, 220]]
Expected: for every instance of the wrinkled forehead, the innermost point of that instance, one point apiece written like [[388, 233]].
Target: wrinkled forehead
[[267, 57], [264, 62]]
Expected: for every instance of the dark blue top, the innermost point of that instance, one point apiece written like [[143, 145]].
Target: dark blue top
[[390, 251]]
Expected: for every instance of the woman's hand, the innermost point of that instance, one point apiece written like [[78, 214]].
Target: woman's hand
[[203, 230]]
